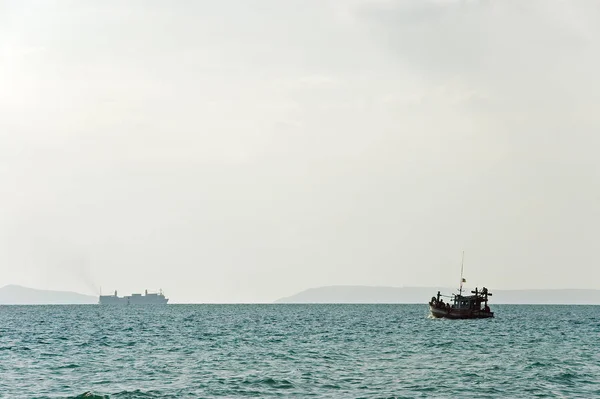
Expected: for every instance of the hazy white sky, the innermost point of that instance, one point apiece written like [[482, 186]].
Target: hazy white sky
[[238, 150]]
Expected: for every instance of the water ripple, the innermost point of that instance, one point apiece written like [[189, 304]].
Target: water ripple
[[269, 351]]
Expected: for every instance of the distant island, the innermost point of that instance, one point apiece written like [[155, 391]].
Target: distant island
[[369, 294], [18, 295]]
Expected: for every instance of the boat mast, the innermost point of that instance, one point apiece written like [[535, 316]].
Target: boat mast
[[462, 265]]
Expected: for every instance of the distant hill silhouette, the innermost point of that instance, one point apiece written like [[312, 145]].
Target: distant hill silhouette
[[17, 295], [367, 294]]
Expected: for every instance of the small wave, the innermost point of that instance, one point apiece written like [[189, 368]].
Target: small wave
[[537, 364], [70, 366], [46, 354], [136, 394], [271, 382], [566, 377], [90, 395]]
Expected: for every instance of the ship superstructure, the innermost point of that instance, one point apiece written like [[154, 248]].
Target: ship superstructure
[[148, 298]]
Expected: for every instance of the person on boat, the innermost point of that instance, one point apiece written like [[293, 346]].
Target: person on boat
[[486, 308], [442, 305]]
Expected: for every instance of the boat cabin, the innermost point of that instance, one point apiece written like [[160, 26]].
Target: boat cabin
[[473, 302]]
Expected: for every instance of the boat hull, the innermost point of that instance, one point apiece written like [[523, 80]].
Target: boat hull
[[459, 313], [151, 299]]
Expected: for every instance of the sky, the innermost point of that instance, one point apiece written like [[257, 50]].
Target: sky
[[238, 151]]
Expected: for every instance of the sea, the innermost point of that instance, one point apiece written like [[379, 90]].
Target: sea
[[297, 351]]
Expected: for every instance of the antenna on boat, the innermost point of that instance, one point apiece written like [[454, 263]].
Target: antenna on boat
[[462, 280]]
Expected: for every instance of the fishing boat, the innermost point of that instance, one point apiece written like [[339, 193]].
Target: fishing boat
[[463, 306]]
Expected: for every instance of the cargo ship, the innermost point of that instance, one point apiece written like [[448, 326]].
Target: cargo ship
[[134, 299]]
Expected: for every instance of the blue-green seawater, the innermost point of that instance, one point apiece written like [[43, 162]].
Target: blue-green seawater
[[321, 351]]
